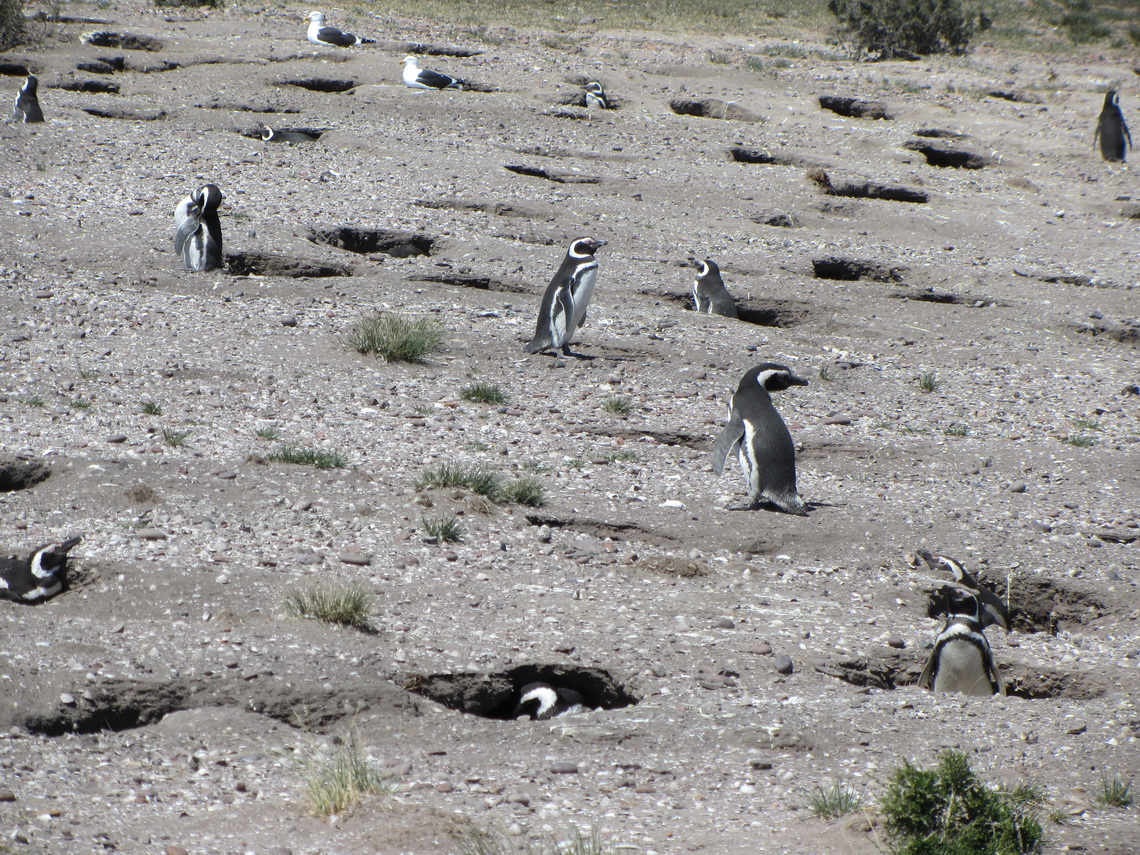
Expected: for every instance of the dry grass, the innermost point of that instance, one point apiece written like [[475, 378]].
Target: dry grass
[[349, 605], [334, 784]]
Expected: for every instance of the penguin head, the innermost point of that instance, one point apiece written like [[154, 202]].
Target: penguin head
[[585, 247], [266, 133], [30, 85], [595, 87], [984, 604], [536, 700], [771, 377], [208, 198], [1112, 99], [49, 559], [317, 17], [706, 268]]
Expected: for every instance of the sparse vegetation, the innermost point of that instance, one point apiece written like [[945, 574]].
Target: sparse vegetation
[[175, 437], [270, 433], [217, 4], [928, 382], [477, 479], [836, 801], [1087, 424], [948, 811], [1080, 440], [957, 429], [34, 401], [13, 24], [151, 408], [80, 404], [578, 842], [526, 491], [349, 606], [1083, 22], [618, 405], [824, 371], [483, 393], [900, 27], [1115, 792], [397, 338], [334, 784], [304, 456], [623, 456], [445, 528]]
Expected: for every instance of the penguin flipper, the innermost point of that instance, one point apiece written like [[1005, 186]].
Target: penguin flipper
[[186, 230], [999, 684], [727, 442], [926, 678]]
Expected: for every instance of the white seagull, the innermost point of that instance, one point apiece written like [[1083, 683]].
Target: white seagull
[[319, 34], [422, 78]]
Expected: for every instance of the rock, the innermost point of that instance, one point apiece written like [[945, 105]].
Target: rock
[[151, 534], [1017, 487], [895, 642], [358, 559], [175, 849], [725, 623], [762, 649], [783, 663], [288, 321], [7, 796], [564, 767], [116, 439]]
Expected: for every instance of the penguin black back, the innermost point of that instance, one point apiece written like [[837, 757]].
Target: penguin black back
[[198, 231], [541, 701], [1111, 130], [28, 102], [761, 440], [41, 575], [567, 297], [709, 293], [596, 96]]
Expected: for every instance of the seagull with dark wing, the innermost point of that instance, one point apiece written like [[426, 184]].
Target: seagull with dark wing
[[319, 34], [422, 78]]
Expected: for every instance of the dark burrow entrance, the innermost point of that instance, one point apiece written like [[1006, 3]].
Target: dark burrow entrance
[[321, 84], [21, 474], [481, 283], [762, 313], [369, 241], [495, 695], [268, 264], [852, 269]]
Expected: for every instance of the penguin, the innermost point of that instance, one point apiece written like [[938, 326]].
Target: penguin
[[542, 701], [567, 296], [319, 34], [422, 78], [39, 576], [27, 103], [289, 136], [596, 96], [1111, 129], [198, 232], [961, 660], [761, 440], [992, 609], [709, 293]]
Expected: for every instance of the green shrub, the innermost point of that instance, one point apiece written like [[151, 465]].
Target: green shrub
[[1082, 21], [396, 337], [445, 528], [897, 27], [948, 811], [337, 783], [483, 393], [304, 456], [835, 802], [13, 24], [477, 479], [525, 491], [1115, 793], [346, 606]]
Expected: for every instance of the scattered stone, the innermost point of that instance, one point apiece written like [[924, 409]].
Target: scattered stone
[[725, 623], [895, 642], [288, 321], [1017, 487], [358, 559], [7, 796], [117, 438], [762, 649], [783, 663], [175, 849], [151, 534], [564, 767], [855, 108]]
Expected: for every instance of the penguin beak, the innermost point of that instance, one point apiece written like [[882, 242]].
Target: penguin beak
[[796, 380], [598, 243]]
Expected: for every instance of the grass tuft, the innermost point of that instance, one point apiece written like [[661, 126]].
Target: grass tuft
[[1087, 424], [151, 408], [34, 401], [397, 338], [445, 528], [1080, 440], [578, 842], [477, 479], [174, 437], [947, 810], [1115, 793], [80, 404], [349, 606], [483, 393], [928, 382], [835, 802], [270, 433], [334, 784], [957, 429], [304, 456], [526, 491], [618, 405]]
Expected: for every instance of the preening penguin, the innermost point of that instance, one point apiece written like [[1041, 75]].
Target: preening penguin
[[423, 78], [709, 293], [1111, 129], [596, 96], [761, 440], [961, 660], [28, 103], [319, 34], [567, 297], [41, 575], [198, 231], [542, 701]]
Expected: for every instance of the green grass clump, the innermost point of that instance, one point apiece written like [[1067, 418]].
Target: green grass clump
[[1080, 440], [618, 405], [483, 393], [34, 401], [525, 491], [267, 433], [623, 456], [475, 841], [948, 811], [304, 456], [928, 382], [897, 27], [1115, 793], [174, 437], [151, 408], [1087, 424], [1083, 22], [397, 338], [445, 528], [957, 429], [337, 783], [80, 404], [839, 800], [349, 606], [477, 479]]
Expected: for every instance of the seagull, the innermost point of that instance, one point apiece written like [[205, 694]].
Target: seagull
[[422, 78], [319, 34]]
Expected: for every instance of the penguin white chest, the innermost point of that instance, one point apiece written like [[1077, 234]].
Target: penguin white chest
[[749, 463], [962, 668], [581, 293]]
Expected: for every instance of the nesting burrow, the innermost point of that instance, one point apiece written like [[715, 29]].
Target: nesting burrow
[[21, 474], [480, 283], [374, 241], [495, 695], [93, 87], [855, 108], [855, 187], [268, 264], [123, 41], [744, 154], [945, 155], [557, 176], [946, 298], [125, 115], [762, 313], [712, 108], [321, 84], [852, 269], [14, 69]]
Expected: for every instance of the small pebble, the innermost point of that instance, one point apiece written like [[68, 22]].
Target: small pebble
[[288, 321], [117, 438], [175, 849], [151, 534], [67, 699], [357, 558], [725, 623], [565, 767], [1017, 487], [782, 663], [895, 642]]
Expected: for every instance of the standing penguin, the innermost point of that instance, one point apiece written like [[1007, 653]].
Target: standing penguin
[[962, 660], [596, 96], [1111, 129], [198, 232], [37, 577], [542, 701], [567, 296], [27, 103], [709, 293], [763, 444]]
